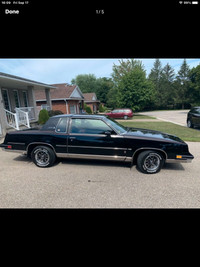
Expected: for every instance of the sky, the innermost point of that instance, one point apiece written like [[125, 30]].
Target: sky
[[57, 70]]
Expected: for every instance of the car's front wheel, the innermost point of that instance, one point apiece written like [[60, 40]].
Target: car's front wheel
[[189, 123], [150, 161], [43, 156]]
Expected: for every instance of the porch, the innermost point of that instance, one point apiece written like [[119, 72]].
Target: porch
[[17, 101]]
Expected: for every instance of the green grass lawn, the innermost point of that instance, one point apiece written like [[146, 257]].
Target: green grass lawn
[[182, 132], [138, 116]]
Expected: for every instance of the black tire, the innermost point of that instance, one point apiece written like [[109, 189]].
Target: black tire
[[43, 156], [150, 161], [189, 124]]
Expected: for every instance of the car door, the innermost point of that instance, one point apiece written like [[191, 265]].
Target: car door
[[196, 117], [114, 114], [94, 139], [60, 139]]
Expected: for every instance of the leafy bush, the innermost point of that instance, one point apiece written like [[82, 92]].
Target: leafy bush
[[102, 108], [43, 116], [88, 110], [54, 113]]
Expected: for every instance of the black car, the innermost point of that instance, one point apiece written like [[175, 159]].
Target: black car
[[193, 117], [97, 137]]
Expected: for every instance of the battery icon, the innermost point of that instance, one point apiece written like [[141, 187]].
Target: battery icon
[[195, 2]]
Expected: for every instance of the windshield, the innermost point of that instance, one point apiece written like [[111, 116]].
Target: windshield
[[118, 127]]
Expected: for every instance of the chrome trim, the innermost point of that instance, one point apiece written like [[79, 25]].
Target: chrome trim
[[61, 145], [81, 134], [97, 147], [90, 156]]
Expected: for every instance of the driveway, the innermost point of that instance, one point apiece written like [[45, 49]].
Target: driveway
[[95, 184], [175, 116]]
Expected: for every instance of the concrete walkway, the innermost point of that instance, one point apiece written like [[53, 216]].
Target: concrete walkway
[[175, 116]]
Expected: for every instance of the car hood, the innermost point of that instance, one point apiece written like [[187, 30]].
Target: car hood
[[150, 134]]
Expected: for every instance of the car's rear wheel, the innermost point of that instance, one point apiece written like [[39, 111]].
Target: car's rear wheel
[[150, 162], [43, 156]]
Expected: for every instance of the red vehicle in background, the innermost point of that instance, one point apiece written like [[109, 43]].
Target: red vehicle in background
[[124, 113]]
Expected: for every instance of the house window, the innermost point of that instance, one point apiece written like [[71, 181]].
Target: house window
[[25, 98], [16, 97], [72, 109], [6, 99]]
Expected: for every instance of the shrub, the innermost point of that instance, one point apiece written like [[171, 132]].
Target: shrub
[[54, 113], [102, 108], [88, 110], [43, 116]]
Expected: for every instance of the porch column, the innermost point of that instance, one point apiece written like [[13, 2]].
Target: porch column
[[48, 98], [31, 100], [2, 115], [82, 105]]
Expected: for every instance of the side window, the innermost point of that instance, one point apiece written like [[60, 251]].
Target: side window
[[89, 126], [62, 125]]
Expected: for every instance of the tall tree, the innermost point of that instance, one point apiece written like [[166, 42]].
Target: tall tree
[[134, 90], [194, 88], [182, 84], [155, 76], [166, 95], [155, 73], [124, 67]]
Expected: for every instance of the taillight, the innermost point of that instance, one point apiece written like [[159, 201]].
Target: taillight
[[9, 146]]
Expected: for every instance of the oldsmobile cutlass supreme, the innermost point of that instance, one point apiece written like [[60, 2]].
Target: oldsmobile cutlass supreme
[[97, 137]]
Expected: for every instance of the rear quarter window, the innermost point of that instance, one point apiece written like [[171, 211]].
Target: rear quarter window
[[50, 125]]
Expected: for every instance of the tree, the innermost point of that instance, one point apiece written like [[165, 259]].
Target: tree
[[132, 88], [104, 85], [113, 99], [86, 82], [182, 84], [166, 96], [125, 66], [194, 86], [155, 73], [154, 77]]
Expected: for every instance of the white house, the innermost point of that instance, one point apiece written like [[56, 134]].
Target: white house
[[17, 101]]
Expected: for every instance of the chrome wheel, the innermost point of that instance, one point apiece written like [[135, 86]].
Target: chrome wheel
[[152, 162], [42, 157]]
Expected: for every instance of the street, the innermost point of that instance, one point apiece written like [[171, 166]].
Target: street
[[96, 184]]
